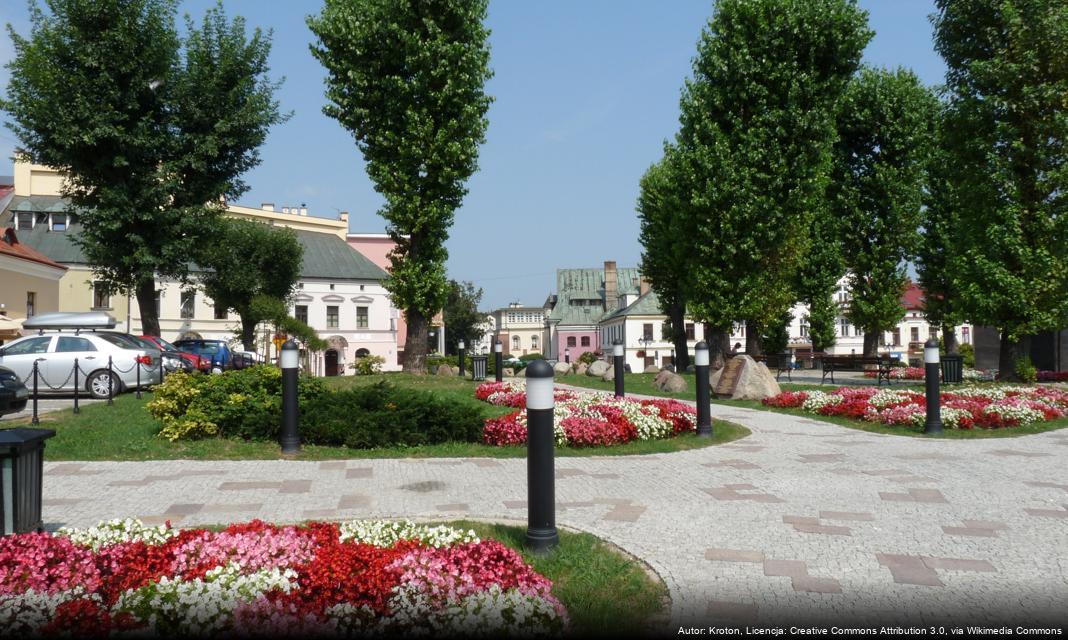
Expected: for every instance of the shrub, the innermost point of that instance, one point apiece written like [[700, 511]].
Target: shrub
[[368, 365], [383, 415], [589, 357], [1025, 370], [967, 351], [531, 357]]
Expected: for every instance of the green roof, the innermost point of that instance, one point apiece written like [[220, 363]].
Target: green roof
[[325, 254], [587, 284], [647, 305]]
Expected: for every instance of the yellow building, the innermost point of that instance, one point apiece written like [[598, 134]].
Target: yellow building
[[29, 281]]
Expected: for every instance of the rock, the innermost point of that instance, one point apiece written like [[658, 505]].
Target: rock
[[562, 368], [652, 369], [445, 370], [626, 368], [609, 376], [598, 368], [456, 370], [508, 372], [755, 382], [670, 382], [660, 377], [581, 368], [691, 368]]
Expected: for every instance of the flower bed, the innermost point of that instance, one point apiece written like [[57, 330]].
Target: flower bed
[[586, 419], [963, 408], [917, 373], [1053, 376], [260, 579]]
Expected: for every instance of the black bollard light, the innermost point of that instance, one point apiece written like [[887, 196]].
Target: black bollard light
[[161, 371], [290, 410], [461, 348], [34, 420], [76, 385], [498, 359], [704, 409], [567, 356], [617, 357], [138, 360], [111, 382], [933, 425], [541, 476]]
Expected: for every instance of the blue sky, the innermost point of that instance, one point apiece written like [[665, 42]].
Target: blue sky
[[585, 94]]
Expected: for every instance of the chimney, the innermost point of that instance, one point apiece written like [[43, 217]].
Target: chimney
[[643, 285], [285, 209], [343, 216], [303, 209], [267, 206], [611, 286]]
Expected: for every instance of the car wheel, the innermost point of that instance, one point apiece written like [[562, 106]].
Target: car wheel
[[97, 385]]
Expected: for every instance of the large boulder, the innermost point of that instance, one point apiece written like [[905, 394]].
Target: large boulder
[[598, 368], [652, 369], [671, 383], [562, 368], [581, 368], [609, 375], [754, 381], [690, 368], [507, 372], [445, 370], [661, 376]]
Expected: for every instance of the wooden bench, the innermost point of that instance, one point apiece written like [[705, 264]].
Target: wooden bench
[[854, 362], [783, 362]]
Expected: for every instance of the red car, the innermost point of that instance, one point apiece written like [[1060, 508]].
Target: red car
[[200, 364]]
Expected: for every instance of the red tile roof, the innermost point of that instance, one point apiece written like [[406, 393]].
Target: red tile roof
[[913, 297], [10, 246]]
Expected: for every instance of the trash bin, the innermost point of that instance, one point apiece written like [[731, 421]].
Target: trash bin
[[952, 369], [478, 367], [21, 473]]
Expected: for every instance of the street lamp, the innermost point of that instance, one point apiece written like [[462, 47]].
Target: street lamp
[[933, 424], [567, 356], [460, 346]]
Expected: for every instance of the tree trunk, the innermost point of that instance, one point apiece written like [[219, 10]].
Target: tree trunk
[[949, 340], [248, 334], [1010, 353], [871, 343], [719, 347], [146, 302], [678, 329], [415, 343], [754, 345]]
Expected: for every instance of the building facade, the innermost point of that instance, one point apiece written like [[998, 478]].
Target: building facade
[[29, 280], [520, 329]]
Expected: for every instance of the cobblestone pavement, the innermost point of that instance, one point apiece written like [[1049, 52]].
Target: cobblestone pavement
[[803, 521]]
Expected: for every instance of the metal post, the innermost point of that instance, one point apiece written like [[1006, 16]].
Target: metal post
[[541, 490], [76, 385], [704, 409], [290, 410], [933, 425], [461, 346], [111, 382], [617, 356], [498, 359], [139, 377], [35, 420], [162, 373], [567, 356]]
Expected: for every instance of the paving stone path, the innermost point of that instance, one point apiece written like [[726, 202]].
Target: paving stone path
[[803, 521]]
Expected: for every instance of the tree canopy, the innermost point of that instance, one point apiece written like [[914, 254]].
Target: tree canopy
[[462, 318], [151, 131], [407, 80]]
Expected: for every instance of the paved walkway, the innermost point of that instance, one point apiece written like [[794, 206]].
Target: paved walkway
[[802, 521]]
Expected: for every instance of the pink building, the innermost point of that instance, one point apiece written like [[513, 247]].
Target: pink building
[[376, 247]]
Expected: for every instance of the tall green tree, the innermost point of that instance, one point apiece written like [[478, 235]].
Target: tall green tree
[[406, 78], [461, 315], [246, 260], [817, 279], [758, 125], [885, 127], [1006, 126], [151, 135], [666, 265]]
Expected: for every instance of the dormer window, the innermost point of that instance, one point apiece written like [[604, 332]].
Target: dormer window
[[58, 222], [24, 221]]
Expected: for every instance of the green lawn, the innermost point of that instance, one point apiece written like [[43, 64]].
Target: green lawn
[[126, 431], [642, 384]]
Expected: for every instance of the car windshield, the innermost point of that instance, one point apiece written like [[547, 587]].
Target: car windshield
[[121, 341], [166, 345]]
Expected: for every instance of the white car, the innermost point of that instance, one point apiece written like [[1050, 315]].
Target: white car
[[55, 353]]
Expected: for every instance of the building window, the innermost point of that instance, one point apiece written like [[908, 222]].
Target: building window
[[31, 304], [300, 312], [159, 301], [690, 331], [515, 343], [331, 317], [915, 334], [534, 342], [24, 221], [845, 328], [966, 335], [220, 312], [101, 296], [331, 286], [361, 317], [647, 331], [59, 222], [571, 341], [897, 337], [804, 330], [189, 301], [585, 341]]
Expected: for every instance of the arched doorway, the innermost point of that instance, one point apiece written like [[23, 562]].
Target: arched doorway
[[331, 362]]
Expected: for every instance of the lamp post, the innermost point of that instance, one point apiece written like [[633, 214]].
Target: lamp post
[[460, 346], [498, 360], [290, 411], [704, 409], [617, 357], [933, 425], [541, 491]]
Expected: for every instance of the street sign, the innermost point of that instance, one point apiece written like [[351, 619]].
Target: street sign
[[279, 341]]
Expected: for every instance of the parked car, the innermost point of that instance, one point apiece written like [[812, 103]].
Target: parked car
[[195, 362], [13, 394], [55, 353], [217, 352]]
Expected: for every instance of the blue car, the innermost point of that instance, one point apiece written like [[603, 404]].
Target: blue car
[[214, 350]]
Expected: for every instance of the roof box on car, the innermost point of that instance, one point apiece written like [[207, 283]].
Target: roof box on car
[[67, 320]]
